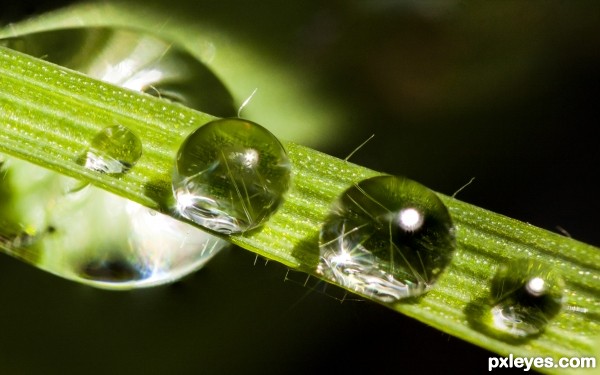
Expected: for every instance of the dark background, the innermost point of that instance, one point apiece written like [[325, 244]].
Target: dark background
[[506, 92]]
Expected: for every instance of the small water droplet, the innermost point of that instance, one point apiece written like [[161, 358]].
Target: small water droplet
[[114, 150], [231, 176], [387, 237], [525, 296]]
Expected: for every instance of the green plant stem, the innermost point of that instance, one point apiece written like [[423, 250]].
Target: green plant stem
[[50, 114]]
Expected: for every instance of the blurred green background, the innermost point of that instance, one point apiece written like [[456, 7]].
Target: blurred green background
[[506, 92]]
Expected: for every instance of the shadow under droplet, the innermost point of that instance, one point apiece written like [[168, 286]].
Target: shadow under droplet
[[81, 158], [160, 191], [307, 250]]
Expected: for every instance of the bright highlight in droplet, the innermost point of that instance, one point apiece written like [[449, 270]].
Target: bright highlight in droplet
[[184, 200], [525, 296], [410, 219], [342, 258], [535, 286]]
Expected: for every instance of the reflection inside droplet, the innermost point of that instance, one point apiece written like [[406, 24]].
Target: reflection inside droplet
[[94, 237], [110, 271]]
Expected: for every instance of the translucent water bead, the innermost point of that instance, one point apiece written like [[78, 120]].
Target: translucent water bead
[[114, 150], [155, 249], [525, 296], [387, 237], [94, 237], [230, 176]]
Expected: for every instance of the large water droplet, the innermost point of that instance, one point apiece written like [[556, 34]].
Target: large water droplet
[[93, 237], [114, 150], [525, 295], [387, 237], [154, 249], [132, 59], [231, 176]]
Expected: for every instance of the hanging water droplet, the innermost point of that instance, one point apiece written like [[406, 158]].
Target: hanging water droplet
[[134, 60], [525, 296], [155, 249], [231, 175], [387, 237], [94, 237], [114, 150]]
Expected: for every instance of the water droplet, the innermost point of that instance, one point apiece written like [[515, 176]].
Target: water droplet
[[231, 176], [387, 237], [94, 237], [134, 60], [525, 295], [151, 249], [114, 150]]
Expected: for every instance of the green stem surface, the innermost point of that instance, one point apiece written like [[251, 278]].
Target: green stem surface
[[49, 115]]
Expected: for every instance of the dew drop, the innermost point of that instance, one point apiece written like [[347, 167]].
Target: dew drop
[[114, 150], [152, 250], [230, 176], [94, 237], [525, 296], [386, 237]]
